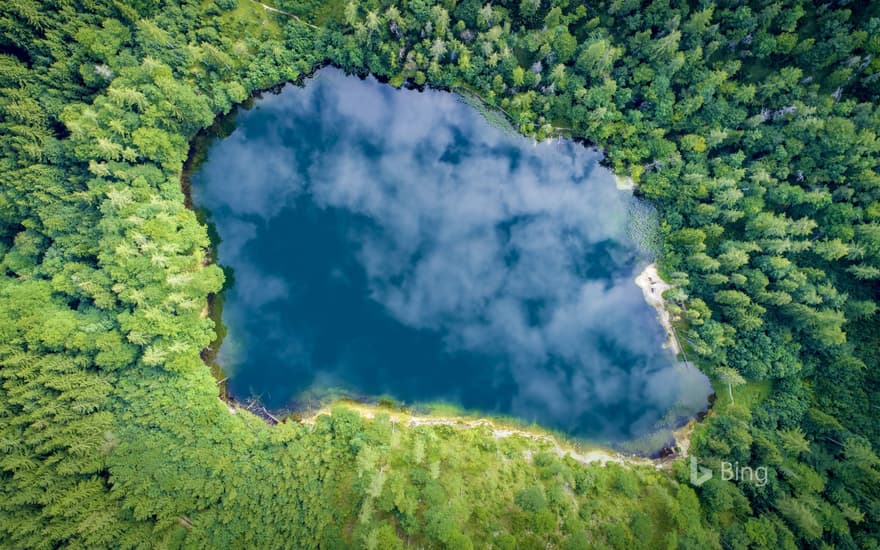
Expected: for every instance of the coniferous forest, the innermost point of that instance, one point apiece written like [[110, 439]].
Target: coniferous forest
[[752, 126]]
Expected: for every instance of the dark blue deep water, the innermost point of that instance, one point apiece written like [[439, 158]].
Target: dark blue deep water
[[385, 242]]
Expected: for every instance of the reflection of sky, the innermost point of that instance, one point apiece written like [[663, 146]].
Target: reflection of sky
[[504, 248]]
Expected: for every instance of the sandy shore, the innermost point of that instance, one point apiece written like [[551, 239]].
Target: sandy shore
[[653, 288], [683, 437], [624, 183]]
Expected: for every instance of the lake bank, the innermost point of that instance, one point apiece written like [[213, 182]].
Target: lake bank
[[584, 454], [653, 288]]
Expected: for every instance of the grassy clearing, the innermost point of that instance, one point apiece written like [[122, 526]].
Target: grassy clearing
[[747, 395], [252, 19]]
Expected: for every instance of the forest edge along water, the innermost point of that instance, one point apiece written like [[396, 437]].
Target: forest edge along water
[[225, 126]]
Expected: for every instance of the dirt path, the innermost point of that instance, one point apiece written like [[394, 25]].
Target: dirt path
[[282, 12]]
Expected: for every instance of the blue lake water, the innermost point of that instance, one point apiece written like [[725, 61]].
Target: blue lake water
[[384, 242]]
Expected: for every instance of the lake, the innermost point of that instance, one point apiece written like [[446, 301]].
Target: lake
[[392, 243]]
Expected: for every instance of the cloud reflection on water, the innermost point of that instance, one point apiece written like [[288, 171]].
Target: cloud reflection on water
[[513, 250]]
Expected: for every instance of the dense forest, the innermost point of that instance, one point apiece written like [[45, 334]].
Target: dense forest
[[753, 127]]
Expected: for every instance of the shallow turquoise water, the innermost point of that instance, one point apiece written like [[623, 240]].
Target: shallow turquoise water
[[386, 242]]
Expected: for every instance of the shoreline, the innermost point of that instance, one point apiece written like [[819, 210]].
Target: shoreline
[[500, 430], [624, 183], [653, 288]]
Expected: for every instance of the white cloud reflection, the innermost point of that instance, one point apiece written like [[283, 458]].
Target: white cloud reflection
[[508, 248]]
